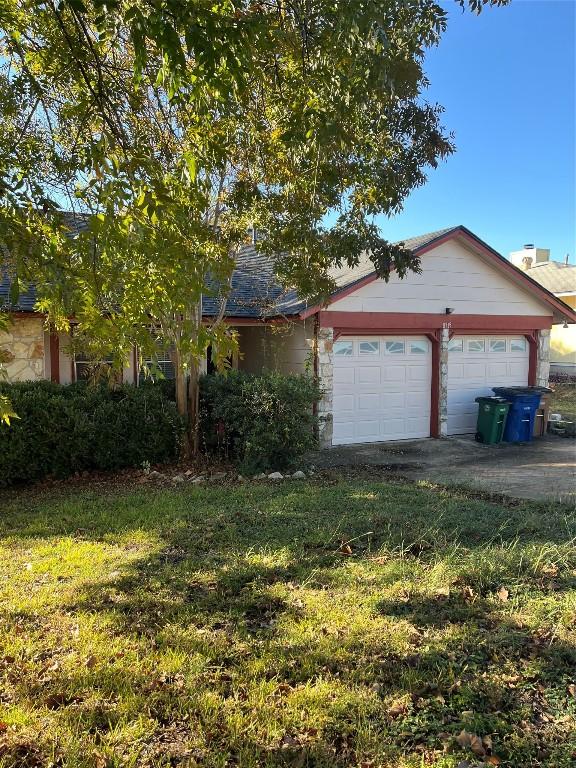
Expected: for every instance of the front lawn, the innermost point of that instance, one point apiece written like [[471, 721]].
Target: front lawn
[[327, 623], [563, 399]]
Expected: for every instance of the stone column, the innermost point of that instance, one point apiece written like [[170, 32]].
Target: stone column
[[443, 385], [543, 358], [325, 341]]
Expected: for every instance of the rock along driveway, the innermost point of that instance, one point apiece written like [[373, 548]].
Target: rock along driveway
[[544, 469]]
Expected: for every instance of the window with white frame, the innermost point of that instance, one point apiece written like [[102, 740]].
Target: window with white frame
[[395, 347], [369, 347], [418, 347], [518, 345], [476, 345], [343, 348], [456, 345], [497, 345]]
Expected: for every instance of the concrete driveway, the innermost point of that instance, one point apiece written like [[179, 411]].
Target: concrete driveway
[[544, 469]]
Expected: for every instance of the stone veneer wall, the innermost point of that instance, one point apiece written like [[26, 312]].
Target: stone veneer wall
[[325, 341], [543, 358], [443, 384], [22, 349]]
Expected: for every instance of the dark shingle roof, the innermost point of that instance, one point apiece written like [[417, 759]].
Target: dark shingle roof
[[554, 276], [255, 290]]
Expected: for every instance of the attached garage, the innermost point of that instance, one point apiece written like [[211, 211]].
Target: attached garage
[[406, 358], [475, 365], [381, 388]]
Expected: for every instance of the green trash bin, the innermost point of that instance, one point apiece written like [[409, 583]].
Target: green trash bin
[[492, 415]]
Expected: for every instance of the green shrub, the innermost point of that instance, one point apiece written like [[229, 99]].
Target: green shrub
[[261, 422], [64, 429]]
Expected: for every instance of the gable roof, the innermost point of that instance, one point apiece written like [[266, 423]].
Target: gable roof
[[554, 276], [257, 295], [355, 279]]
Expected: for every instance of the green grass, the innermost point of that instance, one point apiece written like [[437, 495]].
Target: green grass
[[229, 626], [563, 399]]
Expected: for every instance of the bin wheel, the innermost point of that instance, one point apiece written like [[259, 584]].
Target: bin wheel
[[479, 437]]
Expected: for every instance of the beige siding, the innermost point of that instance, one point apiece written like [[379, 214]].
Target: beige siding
[[563, 340], [452, 276], [66, 361], [286, 348], [22, 347]]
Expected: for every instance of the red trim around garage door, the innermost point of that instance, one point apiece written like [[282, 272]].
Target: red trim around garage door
[[385, 322]]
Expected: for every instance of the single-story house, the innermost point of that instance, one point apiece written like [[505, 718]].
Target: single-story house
[[558, 277], [396, 360]]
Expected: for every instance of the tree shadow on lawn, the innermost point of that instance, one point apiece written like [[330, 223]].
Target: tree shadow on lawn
[[224, 585], [436, 682]]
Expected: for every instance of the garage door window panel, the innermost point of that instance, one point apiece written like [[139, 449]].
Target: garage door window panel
[[497, 345], [456, 345], [343, 348], [395, 348], [518, 345], [369, 348], [418, 347], [476, 345]]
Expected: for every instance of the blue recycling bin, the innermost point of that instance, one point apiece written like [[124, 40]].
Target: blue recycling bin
[[524, 402]]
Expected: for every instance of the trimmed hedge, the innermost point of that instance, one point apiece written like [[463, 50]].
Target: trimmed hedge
[[261, 422], [63, 429]]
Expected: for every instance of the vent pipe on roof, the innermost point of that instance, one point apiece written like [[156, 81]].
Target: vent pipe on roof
[[527, 263], [566, 259], [529, 246]]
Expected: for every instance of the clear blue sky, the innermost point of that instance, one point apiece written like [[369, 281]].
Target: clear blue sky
[[507, 81]]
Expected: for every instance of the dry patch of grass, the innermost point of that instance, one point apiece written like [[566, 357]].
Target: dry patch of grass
[[353, 623]]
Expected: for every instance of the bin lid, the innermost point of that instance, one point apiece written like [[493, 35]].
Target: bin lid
[[518, 390], [491, 399]]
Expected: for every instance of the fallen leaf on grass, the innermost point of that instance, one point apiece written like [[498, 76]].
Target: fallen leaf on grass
[[345, 548], [397, 708], [90, 662], [549, 570], [503, 594], [572, 690], [471, 741]]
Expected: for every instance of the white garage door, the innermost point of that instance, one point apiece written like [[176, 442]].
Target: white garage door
[[475, 365], [381, 389]]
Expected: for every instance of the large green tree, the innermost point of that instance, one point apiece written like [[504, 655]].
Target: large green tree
[[175, 125]]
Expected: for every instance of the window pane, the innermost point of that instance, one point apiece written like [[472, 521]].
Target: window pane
[[456, 345], [153, 366], [369, 347], [395, 347], [518, 345], [418, 347], [343, 348], [476, 345], [497, 345]]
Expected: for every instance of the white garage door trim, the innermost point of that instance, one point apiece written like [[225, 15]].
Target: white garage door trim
[[475, 365], [381, 388]]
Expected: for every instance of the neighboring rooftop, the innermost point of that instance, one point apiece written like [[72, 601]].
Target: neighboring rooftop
[[556, 277]]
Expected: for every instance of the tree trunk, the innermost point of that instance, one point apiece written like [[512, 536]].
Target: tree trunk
[[187, 391], [182, 404]]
